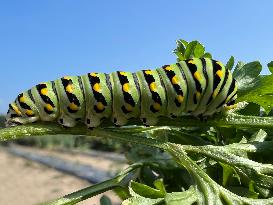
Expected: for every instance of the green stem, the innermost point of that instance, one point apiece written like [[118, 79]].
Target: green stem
[[121, 180], [229, 120]]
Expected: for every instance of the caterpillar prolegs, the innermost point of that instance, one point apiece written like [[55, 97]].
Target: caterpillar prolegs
[[198, 87]]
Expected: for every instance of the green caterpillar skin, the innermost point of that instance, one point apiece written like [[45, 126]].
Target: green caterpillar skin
[[198, 87]]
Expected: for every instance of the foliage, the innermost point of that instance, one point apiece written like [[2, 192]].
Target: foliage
[[224, 160], [2, 120]]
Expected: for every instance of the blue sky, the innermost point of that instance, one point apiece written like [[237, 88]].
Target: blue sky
[[44, 40]]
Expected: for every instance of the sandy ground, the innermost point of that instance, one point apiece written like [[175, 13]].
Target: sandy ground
[[23, 182]]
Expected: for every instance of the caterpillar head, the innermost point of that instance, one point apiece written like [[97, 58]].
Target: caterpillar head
[[17, 115]]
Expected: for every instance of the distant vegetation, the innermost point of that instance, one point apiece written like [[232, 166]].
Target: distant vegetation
[[2, 120]]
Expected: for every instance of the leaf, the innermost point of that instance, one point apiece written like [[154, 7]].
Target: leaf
[[235, 155], [270, 66], [104, 200], [207, 55], [159, 185], [137, 199], [179, 55], [199, 50], [176, 198], [181, 46], [209, 191], [258, 136], [253, 193], [238, 67], [250, 109], [261, 94], [246, 75], [193, 49], [146, 191], [230, 63], [227, 173], [184, 42], [190, 50]]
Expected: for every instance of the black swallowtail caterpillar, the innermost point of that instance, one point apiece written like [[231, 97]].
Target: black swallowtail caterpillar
[[198, 87]]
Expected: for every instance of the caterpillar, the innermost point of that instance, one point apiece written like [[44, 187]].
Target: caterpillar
[[198, 87]]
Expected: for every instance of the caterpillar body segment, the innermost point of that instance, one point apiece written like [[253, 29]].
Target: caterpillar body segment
[[198, 86]]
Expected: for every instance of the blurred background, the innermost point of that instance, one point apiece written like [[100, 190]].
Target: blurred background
[[45, 40]]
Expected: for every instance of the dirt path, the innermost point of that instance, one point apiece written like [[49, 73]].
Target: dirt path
[[23, 182]]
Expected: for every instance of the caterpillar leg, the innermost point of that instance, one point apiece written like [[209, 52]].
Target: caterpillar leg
[[118, 120], [66, 121], [92, 121], [149, 121]]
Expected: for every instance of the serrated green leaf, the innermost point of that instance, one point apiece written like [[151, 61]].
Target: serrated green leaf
[[246, 75], [258, 136], [179, 55], [193, 49], [253, 193], [189, 52], [146, 191], [238, 67], [230, 63], [160, 185], [104, 200], [250, 109], [228, 172], [212, 192], [262, 94], [199, 50], [177, 198], [137, 199], [141, 201], [207, 55], [185, 43], [270, 66], [180, 47]]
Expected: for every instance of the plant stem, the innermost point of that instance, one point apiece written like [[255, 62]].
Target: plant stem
[[119, 181], [46, 128]]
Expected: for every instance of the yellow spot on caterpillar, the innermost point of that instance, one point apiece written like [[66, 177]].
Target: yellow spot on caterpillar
[[126, 87], [15, 108], [231, 107], [94, 74], [123, 73], [153, 86], [128, 107], [220, 73], [168, 68], [49, 107], [22, 99], [100, 106], [72, 106], [44, 91], [66, 77], [29, 112], [191, 61], [156, 106], [96, 87], [198, 95], [214, 94], [180, 98], [69, 88], [174, 80], [148, 72], [197, 76]]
